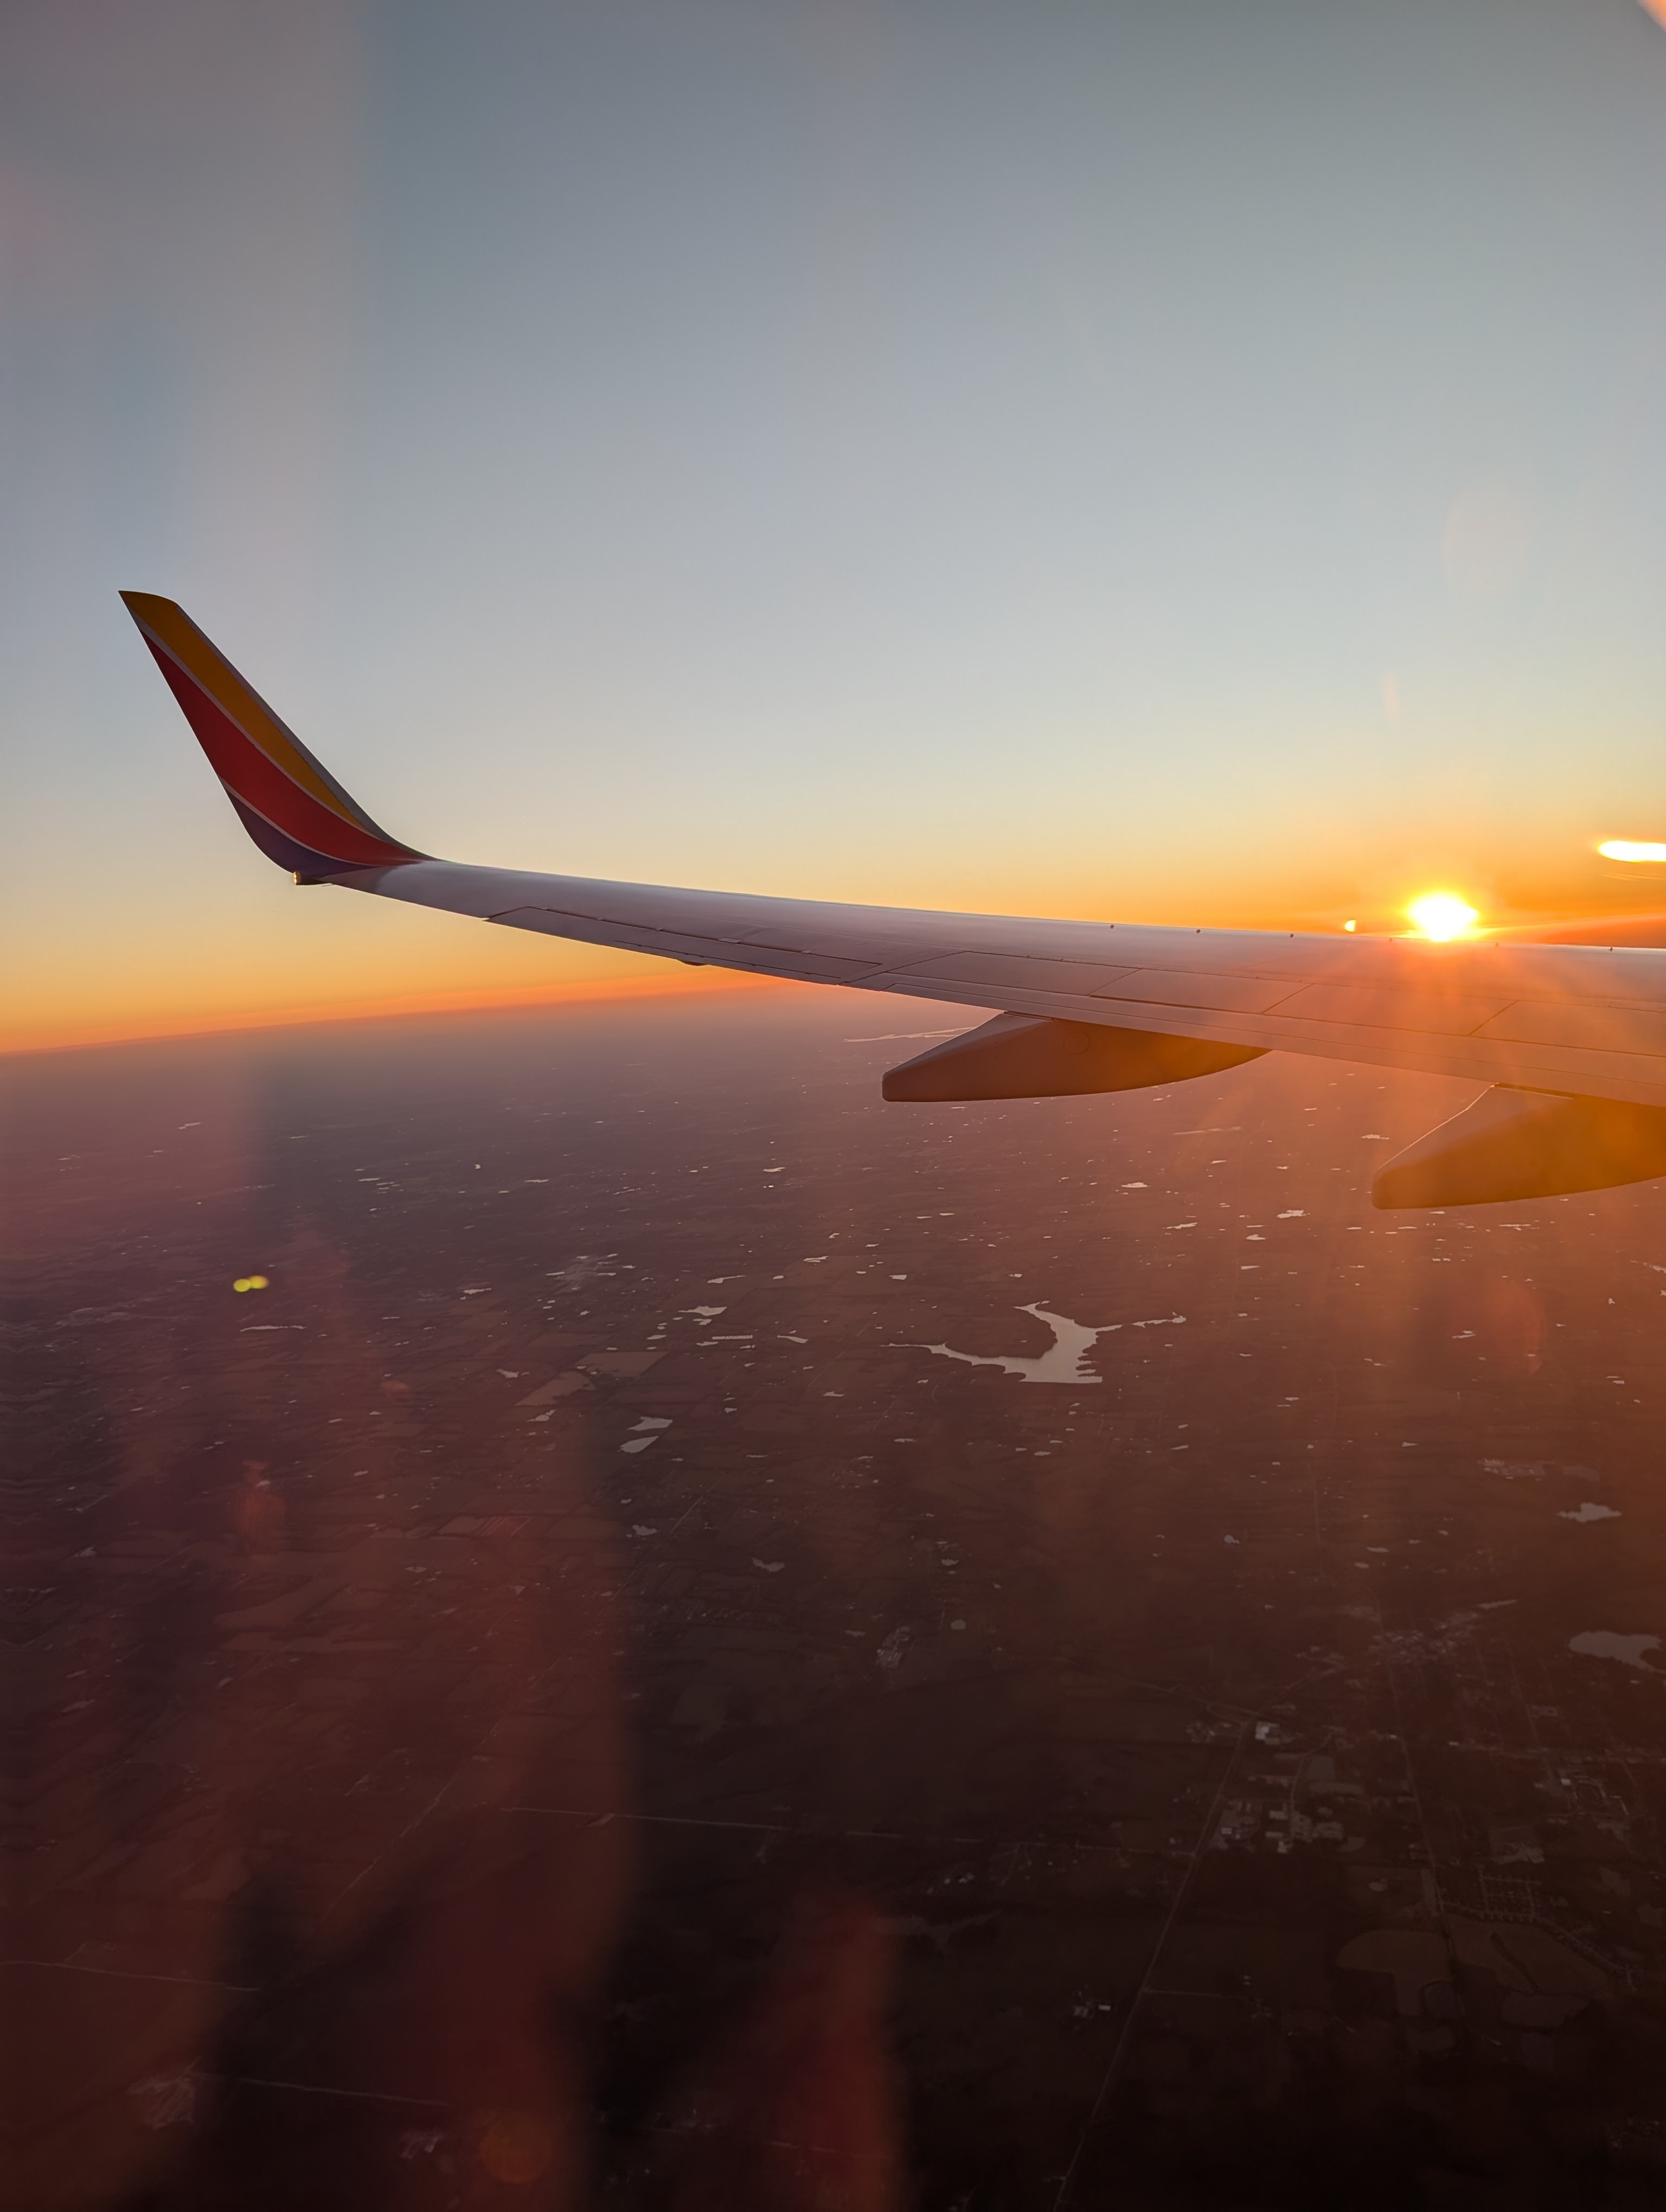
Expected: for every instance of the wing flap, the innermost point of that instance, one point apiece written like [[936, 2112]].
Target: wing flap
[[1583, 1029], [1443, 1013], [1010, 971], [1227, 994]]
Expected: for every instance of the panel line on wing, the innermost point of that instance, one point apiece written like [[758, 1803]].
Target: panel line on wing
[[1434, 1012]]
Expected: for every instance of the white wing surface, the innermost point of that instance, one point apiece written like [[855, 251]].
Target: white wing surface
[[1544, 1017]]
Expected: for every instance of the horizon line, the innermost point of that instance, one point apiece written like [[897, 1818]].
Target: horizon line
[[103, 1037]]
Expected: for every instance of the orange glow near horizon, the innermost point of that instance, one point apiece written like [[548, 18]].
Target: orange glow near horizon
[[342, 964], [1443, 915], [67, 1037], [231, 951]]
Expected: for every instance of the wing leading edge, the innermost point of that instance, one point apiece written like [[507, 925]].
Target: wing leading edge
[[1584, 1021]]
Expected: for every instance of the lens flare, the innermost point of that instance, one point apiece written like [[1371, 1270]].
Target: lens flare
[[1623, 848], [1443, 915]]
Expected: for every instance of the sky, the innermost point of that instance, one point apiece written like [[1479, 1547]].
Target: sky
[[1095, 458]]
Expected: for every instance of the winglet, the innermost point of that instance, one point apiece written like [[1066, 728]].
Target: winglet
[[289, 803]]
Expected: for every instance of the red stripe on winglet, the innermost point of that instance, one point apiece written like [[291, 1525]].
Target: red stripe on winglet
[[245, 770]]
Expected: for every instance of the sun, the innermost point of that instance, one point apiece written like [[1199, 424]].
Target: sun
[[1443, 915]]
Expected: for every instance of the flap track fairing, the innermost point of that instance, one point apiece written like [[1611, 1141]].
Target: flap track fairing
[[1032, 1056], [1513, 1144]]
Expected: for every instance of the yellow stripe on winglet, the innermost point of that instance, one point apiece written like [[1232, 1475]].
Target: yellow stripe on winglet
[[173, 627]]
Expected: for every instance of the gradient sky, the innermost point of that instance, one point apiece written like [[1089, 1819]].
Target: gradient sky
[[1091, 457]]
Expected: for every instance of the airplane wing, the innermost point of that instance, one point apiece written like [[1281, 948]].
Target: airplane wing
[[1572, 1036]]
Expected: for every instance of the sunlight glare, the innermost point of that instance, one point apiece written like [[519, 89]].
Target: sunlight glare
[[1623, 848], [1443, 915]]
